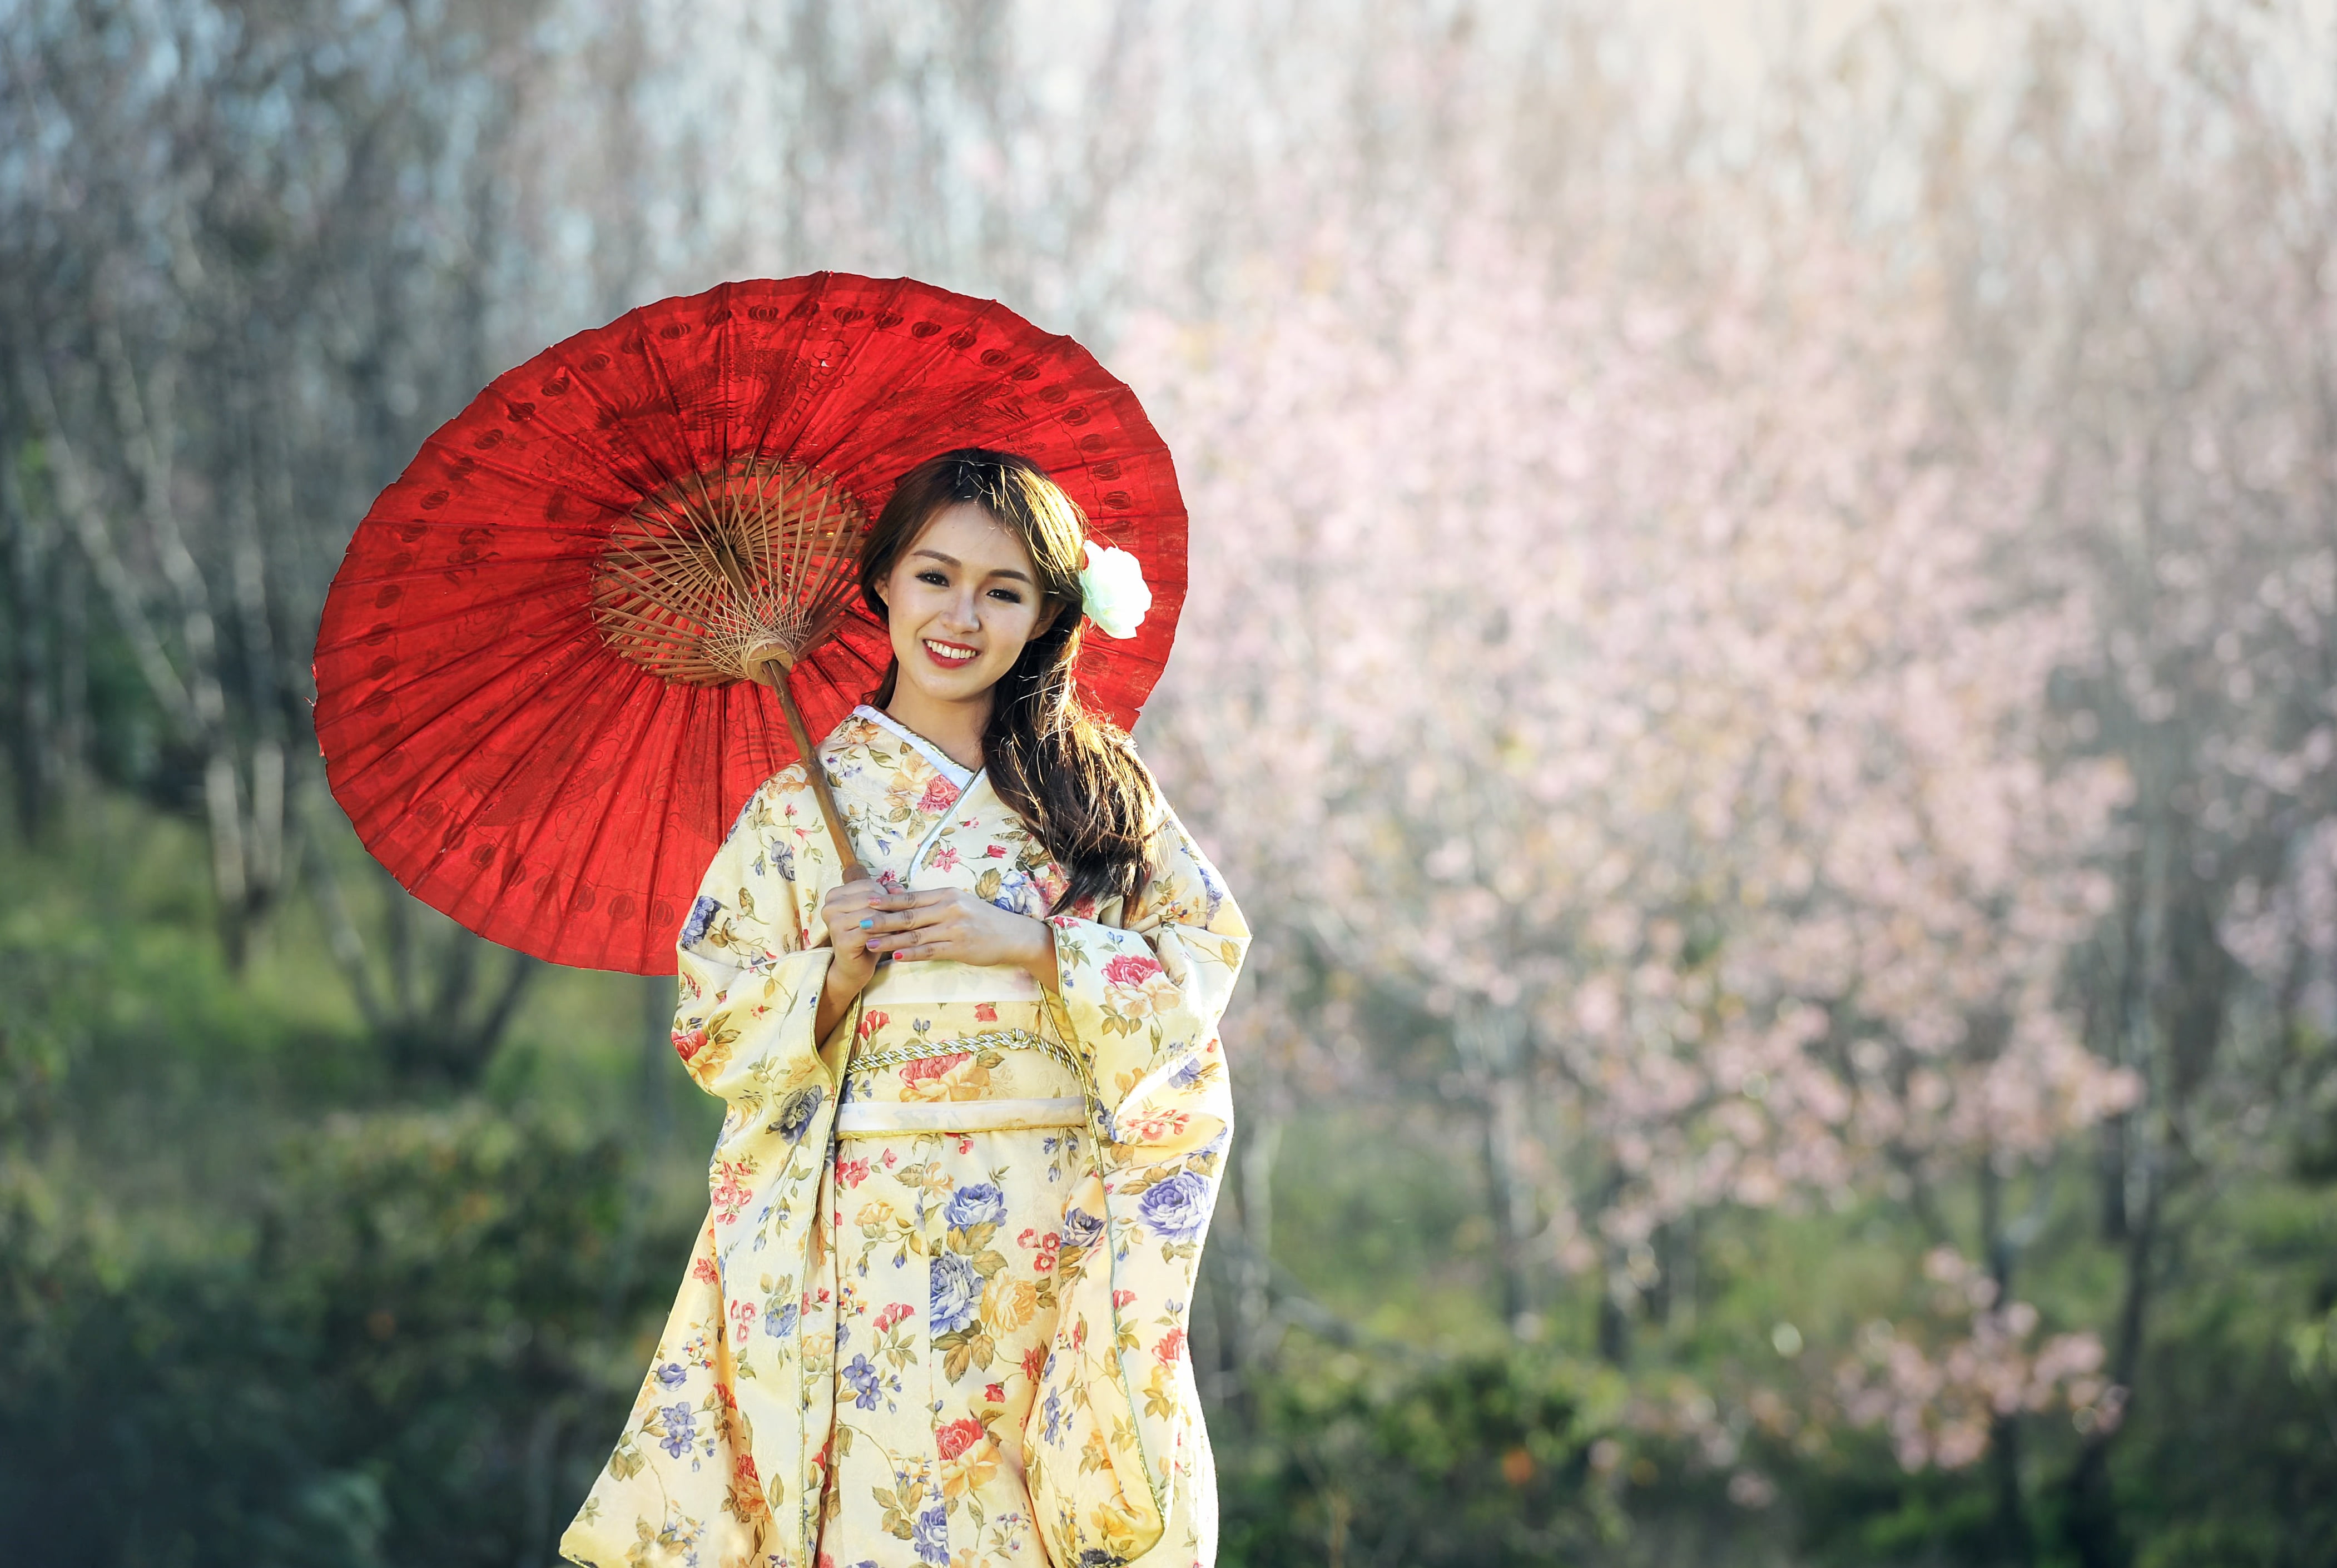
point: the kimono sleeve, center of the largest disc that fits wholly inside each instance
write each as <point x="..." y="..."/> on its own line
<point x="751" y="960"/>
<point x="713" y="1463"/>
<point x="1141" y="997"/>
<point x="1114" y="1441"/>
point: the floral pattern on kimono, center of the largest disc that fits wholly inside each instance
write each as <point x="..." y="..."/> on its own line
<point x="1056" y="1419"/>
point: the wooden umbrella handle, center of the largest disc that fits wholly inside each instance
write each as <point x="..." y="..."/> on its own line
<point x="775" y="678"/>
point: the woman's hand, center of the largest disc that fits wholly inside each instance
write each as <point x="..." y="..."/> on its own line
<point x="953" y="924"/>
<point x="849" y="910"/>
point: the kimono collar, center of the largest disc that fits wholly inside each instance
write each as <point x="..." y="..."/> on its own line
<point x="939" y="759"/>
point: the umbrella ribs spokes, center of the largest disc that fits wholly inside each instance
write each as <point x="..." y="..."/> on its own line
<point x="715" y="577"/>
<point x="736" y="575"/>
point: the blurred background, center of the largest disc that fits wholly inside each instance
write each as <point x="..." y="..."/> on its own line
<point x="1761" y="658"/>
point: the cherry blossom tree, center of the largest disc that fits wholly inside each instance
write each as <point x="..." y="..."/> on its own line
<point x="1623" y="691"/>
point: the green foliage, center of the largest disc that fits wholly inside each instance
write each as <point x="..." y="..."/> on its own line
<point x="414" y="1350"/>
<point x="1480" y="1461"/>
<point x="261" y="1304"/>
<point x="254" y="1307"/>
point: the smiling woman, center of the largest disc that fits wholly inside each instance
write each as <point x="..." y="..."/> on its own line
<point x="947" y="1323"/>
<point x="981" y="550"/>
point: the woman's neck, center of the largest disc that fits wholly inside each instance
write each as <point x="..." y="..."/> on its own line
<point x="955" y="727"/>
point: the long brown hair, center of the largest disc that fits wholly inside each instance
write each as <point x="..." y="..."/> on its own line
<point x="1074" y="777"/>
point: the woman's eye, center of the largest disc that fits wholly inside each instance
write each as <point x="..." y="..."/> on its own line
<point x="935" y="578"/>
<point x="1009" y="595"/>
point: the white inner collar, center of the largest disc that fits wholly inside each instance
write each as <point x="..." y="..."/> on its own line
<point x="960" y="776"/>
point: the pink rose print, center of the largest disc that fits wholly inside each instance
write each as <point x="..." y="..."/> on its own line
<point x="986" y="1012"/>
<point x="995" y="852"/>
<point x="870" y="1022"/>
<point x="1131" y="969"/>
<point x="945" y="858"/>
<point x="935" y="1066"/>
<point x="851" y="1173"/>
<point x="1120" y="1299"/>
<point x="704" y="1269"/>
<point x="1138" y="985"/>
<point x="892" y="1315"/>
<point x="730" y="1194"/>
<point x="688" y="1043"/>
<point x="1172" y="1346"/>
<point x="1154" y="1126"/>
<point x="995" y="1392"/>
<point x="958" y="1437"/>
<point x="939" y="797"/>
<point x="1048" y="1246"/>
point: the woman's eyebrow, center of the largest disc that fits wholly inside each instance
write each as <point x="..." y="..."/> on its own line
<point x="1015" y="573"/>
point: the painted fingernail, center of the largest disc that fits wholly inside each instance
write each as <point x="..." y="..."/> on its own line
<point x="865" y="924"/>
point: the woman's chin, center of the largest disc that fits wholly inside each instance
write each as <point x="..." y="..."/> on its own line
<point x="935" y="684"/>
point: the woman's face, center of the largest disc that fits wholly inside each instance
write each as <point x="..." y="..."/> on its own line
<point x="961" y="602"/>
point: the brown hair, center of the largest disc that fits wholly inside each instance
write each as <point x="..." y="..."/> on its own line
<point x="1074" y="777"/>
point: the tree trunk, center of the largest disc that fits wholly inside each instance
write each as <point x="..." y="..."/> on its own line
<point x="31" y="745"/>
<point x="2015" y="1543"/>
<point x="1260" y="1336"/>
<point x="1489" y="1042"/>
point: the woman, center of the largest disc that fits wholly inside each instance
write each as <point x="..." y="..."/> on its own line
<point x="977" y="1107"/>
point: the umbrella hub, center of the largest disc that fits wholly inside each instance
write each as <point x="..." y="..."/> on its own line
<point x="720" y="576"/>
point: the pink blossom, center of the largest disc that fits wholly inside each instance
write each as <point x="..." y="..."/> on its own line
<point x="1130" y="969"/>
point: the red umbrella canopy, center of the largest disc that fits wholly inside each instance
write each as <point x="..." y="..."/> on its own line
<point x="500" y="747"/>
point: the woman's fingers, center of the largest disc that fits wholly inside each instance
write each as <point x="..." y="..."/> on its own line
<point x="916" y="925"/>
<point x="878" y="924"/>
<point x="899" y="943"/>
<point x="912" y="912"/>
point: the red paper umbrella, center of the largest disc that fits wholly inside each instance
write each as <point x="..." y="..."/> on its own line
<point x="536" y="737"/>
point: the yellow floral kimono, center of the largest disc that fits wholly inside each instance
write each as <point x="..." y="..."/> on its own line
<point x="937" y="1313"/>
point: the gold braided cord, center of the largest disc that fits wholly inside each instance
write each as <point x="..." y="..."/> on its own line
<point x="965" y="1044"/>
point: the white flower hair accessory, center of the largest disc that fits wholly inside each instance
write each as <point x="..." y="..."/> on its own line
<point x="1112" y="582"/>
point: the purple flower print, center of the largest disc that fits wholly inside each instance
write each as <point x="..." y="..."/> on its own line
<point x="700" y="921"/>
<point x="932" y="1536"/>
<point x="861" y="1376"/>
<point x="955" y="1288"/>
<point x="980" y="1204"/>
<point x="1177" y="1208"/>
<point x="1053" y="1412"/>
<point x="681" y="1429"/>
<point x="671" y="1375"/>
<point x="797" y="1113"/>
<point x="1081" y="1230"/>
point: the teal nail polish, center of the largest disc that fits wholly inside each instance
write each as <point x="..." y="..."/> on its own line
<point x="865" y="924"/>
